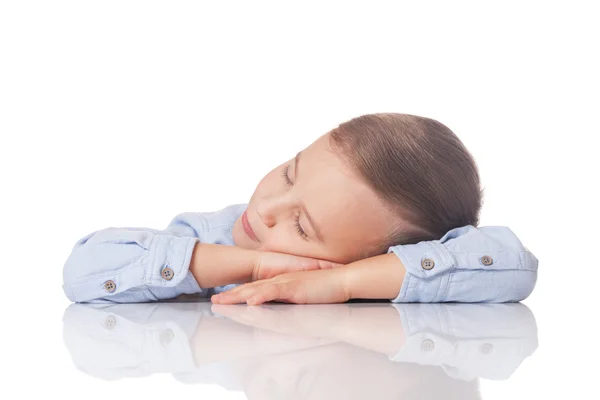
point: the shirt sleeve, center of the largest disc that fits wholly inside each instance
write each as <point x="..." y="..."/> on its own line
<point x="468" y="341"/>
<point x="468" y="264"/>
<point x="128" y="264"/>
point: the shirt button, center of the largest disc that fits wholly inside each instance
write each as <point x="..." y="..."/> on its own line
<point x="486" y="260"/>
<point x="110" y="322"/>
<point x="166" y="336"/>
<point x="427" y="263"/>
<point x="167" y="273"/>
<point x="486" y="348"/>
<point x="110" y="286"/>
<point x="427" y="345"/>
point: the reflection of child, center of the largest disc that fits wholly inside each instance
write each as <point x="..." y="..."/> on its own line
<point x="385" y="206"/>
<point x="353" y="351"/>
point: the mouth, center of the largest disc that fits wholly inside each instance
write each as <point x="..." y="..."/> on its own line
<point x="247" y="227"/>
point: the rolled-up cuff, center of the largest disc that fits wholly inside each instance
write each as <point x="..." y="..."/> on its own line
<point x="422" y="285"/>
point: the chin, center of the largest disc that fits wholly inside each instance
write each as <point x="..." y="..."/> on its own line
<point x="235" y="232"/>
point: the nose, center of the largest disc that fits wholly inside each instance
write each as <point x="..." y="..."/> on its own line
<point x="272" y="208"/>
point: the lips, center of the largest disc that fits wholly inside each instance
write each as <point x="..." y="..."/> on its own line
<point x="247" y="227"/>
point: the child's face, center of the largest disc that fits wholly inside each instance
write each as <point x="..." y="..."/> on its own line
<point x="350" y="216"/>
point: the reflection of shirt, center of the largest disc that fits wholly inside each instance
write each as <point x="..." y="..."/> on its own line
<point x="127" y="264"/>
<point x="468" y="340"/>
<point x="113" y="341"/>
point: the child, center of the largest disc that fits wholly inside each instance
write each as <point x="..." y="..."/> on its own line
<point x="385" y="206"/>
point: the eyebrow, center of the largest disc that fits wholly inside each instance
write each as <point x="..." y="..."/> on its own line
<point x="312" y="223"/>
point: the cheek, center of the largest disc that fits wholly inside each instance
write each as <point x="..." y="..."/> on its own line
<point x="269" y="184"/>
<point x="285" y="242"/>
<point x="346" y="250"/>
<point x="278" y="242"/>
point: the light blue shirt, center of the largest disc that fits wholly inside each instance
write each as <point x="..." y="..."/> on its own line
<point x="125" y="264"/>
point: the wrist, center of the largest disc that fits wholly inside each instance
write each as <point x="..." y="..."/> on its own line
<point x="377" y="277"/>
<point x="348" y="278"/>
<point x="217" y="265"/>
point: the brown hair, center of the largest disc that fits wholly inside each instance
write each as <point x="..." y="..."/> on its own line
<point x="420" y="170"/>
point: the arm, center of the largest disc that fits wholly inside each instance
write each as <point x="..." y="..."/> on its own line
<point x="132" y="264"/>
<point x="489" y="340"/>
<point x="468" y="264"/>
<point x="373" y="326"/>
<point x="378" y="277"/>
<point x="125" y="265"/>
<point x="216" y="265"/>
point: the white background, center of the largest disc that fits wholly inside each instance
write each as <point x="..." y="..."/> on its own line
<point x="126" y="113"/>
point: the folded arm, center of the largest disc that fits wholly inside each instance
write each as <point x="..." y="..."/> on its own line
<point x="125" y="265"/>
<point x="131" y="264"/>
<point x="468" y="264"/>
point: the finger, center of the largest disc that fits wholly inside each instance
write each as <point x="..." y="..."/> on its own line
<point x="229" y="311"/>
<point x="324" y="264"/>
<point x="228" y="298"/>
<point x="252" y="296"/>
<point x="264" y="293"/>
<point x="244" y="315"/>
<point x="242" y="287"/>
<point x="234" y="296"/>
<point x="225" y="310"/>
<point x="309" y="267"/>
<point x="236" y="289"/>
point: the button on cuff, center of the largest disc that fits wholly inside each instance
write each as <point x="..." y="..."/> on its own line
<point x="424" y="259"/>
<point x="93" y="288"/>
<point x="486" y="260"/>
<point x="110" y="286"/>
<point x="427" y="263"/>
<point x="420" y="284"/>
<point x="169" y="259"/>
<point x="167" y="273"/>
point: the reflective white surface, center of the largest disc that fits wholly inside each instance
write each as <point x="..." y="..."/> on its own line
<point x="310" y="351"/>
<point x="279" y="351"/>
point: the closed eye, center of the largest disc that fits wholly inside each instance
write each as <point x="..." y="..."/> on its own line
<point x="299" y="228"/>
<point x="286" y="177"/>
<point x="297" y="222"/>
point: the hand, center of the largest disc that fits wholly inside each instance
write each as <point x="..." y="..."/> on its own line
<point x="307" y="287"/>
<point x="221" y="339"/>
<point x="375" y="326"/>
<point x="331" y="321"/>
<point x="270" y="264"/>
<point x="215" y="265"/>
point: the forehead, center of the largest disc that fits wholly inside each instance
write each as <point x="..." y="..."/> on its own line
<point x="320" y="156"/>
<point x="345" y="206"/>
